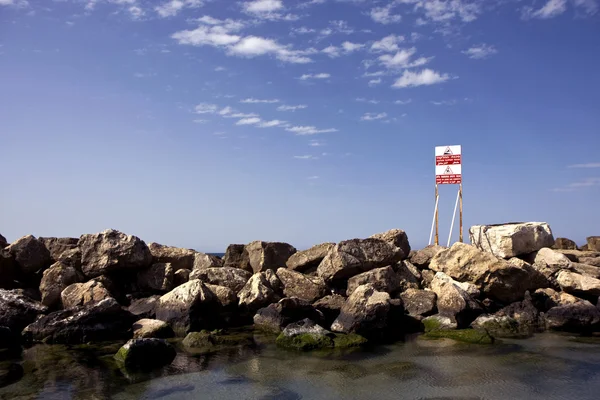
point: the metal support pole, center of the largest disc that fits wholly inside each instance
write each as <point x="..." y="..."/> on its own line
<point x="434" y="215"/>
<point x="461" y="214"/>
<point x="453" y="217"/>
<point x="437" y="224"/>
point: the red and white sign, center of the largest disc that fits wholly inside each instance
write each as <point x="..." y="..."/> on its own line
<point x="448" y="165"/>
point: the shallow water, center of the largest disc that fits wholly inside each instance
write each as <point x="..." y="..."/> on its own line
<point x="547" y="366"/>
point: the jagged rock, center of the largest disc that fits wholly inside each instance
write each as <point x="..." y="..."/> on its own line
<point x="499" y="326"/>
<point x="301" y="286"/>
<point x="17" y="311"/>
<point x="159" y="277"/>
<point x="269" y="255"/>
<point x="224" y="295"/>
<point x="257" y="293"/>
<point x="78" y="294"/>
<point x="419" y="302"/>
<point x="71" y="258"/>
<point x="146" y="354"/>
<point x="454" y="302"/>
<point x="383" y="279"/>
<point x="593" y="261"/>
<point x="526" y="314"/>
<point x="204" y="261"/>
<point x="422" y="258"/>
<point x="581" y="316"/>
<point x="152" y="328"/>
<point x="275" y="317"/>
<point x="110" y="251"/>
<point x="144" y="308"/>
<point x="398" y="239"/>
<point x="439" y="323"/>
<point x="30" y="254"/>
<point x="353" y="257"/>
<point x="427" y="276"/>
<point x="330" y="306"/>
<point x="58" y="246"/>
<point x="274" y="282"/>
<point x="585" y="247"/>
<point x="409" y="277"/>
<point x="8" y="270"/>
<point x="511" y="240"/>
<point x="305" y="335"/>
<point x="55" y="280"/>
<point x="181" y="276"/>
<point x="99" y="321"/>
<point x="365" y="311"/>
<point x="187" y="308"/>
<point x="3" y="242"/>
<point x="585" y="269"/>
<point x="564" y="244"/>
<point x="236" y="256"/>
<point x="308" y="259"/>
<point x="233" y="278"/>
<point x="593" y="243"/>
<point x="545" y="299"/>
<point x="178" y="257"/>
<point x="498" y="279"/>
<point x="572" y="282"/>
<point x="548" y="262"/>
<point x="471" y="289"/>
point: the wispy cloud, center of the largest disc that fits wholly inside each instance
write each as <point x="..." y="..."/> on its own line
<point x="384" y="15"/>
<point x="444" y="103"/>
<point x="374" y="82"/>
<point x="321" y="75"/>
<point x="248" y="121"/>
<point x="373" y="116"/>
<point x="403" y="59"/>
<point x="370" y="101"/>
<point x="291" y="108"/>
<point x="480" y="52"/>
<point x="271" y="124"/>
<point x="588" y="165"/>
<point x="171" y="8"/>
<point x="268" y="9"/>
<point x="312" y="178"/>
<point x="252" y="100"/>
<point x="583" y="184"/>
<point x="200" y="121"/>
<point x="316" y="143"/>
<point x="308" y="130"/>
<point x="306" y="157"/>
<point x="206" y="108"/>
<point x="421" y="78"/>
<point x="403" y="102"/>
<point x="388" y="44"/>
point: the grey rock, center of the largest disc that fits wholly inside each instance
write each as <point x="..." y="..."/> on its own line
<point x="159" y="277"/>
<point x="58" y="246"/>
<point x="9" y="271"/>
<point x="269" y="255"/>
<point x="178" y="257"/>
<point x="301" y="286"/>
<point x="30" y="254"/>
<point x="593" y="261"/>
<point x="419" y="302"/>
<point x="383" y="279"/>
<point x="144" y="308"/>
<point x="78" y="294"/>
<point x="409" y="277"/>
<point x="277" y="316"/>
<point x="204" y="261"/>
<point x="396" y="238"/>
<point x="511" y="240"/>
<point x="365" y="311"/>
<point x="564" y="244"/>
<point x="593" y="243"/>
<point x="581" y="316"/>
<point x="330" y="306"/>
<point x="454" y="302"/>
<point x="422" y="258"/>
<point x="308" y="259"/>
<point x="17" y="311"/>
<point x="55" y="280"/>
<point x="181" y="276"/>
<point x="585" y="269"/>
<point x="146" y="354"/>
<point x="439" y="323"/>
<point x="152" y="328"/>
<point x="224" y="295"/>
<point x="572" y="282"/>
<point x="499" y="326"/>
<point x="236" y="256"/>
<point x="233" y="278"/>
<point x="3" y="242"/>
<point x="257" y="293"/>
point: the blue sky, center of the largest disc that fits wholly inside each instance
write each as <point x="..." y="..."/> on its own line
<point x="201" y="123"/>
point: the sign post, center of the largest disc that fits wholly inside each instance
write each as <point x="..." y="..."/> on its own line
<point x="448" y="171"/>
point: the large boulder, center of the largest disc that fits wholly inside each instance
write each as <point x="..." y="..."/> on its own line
<point x="499" y="326"/>
<point x="453" y="301"/>
<point x="498" y="279"/>
<point x="157" y="278"/>
<point x="548" y="262"/>
<point x="71" y="258"/>
<point x="330" y="306"/>
<point x="308" y="259"/>
<point x="178" y="257"/>
<point x="511" y="240"/>
<point x="305" y="335"/>
<point x="564" y="244"/>
<point x="398" y="239"/>
<point x="593" y="261"/>
<point x="419" y="302"/>
<point x="422" y="258"/>
<point x="78" y="294"/>
<point x="145" y="307"/>
<point x="57" y="247"/>
<point x="365" y="312"/>
<point x="233" y="278"/>
<point x="55" y="280"/>
<point x="383" y="279"/>
<point x="301" y="286"/>
<point x="236" y="256"/>
<point x="17" y="311"/>
<point x="593" y="243"/>
<point x="257" y="293"/>
<point x="351" y="257"/>
<point x="277" y="316"/>
<point x="152" y="328"/>
<point x="580" y="316"/>
<point x="9" y="271"/>
<point x="30" y="254"/>
<point x="181" y="276"/>
<point x="409" y="276"/>
<point x="526" y="314"/>
<point x="188" y="307"/>
<point x="225" y="297"/>
<point x="268" y="255"/>
<point x="145" y="354"/>
<point x="111" y="251"/>
<point x="94" y="322"/>
<point x="204" y="261"/>
<point x="585" y="269"/>
<point x="578" y="284"/>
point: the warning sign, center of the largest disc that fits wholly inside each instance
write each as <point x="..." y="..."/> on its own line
<point x="448" y="165"/>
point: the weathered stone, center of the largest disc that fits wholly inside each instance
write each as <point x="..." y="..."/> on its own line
<point x="564" y="244"/>
<point x="439" y="323"/>
<point x="471" y="289"/>
<point x="353" y="257"/>
<point x="181" y="276"/>
<point x="71" y="258"/>
<point x="581" y="316"/>
<point x="593" y="243"/>
<point x="110" y="251"/>
<point x="30" y="254"/>
<point x="99" y="321"/>
<point x="419" y="302"/>
<point x="146" y="354"/>
<point x="274" y="281"/>
<point x="422" y="258"/>
<point x="159" y="277"/>
<point x="526" y="314"/>
<point x="144" y="308"/>
<point x="3" y="242"/>
<point x="58" y="246"/>
<point x="511" y="240"/>
<point x="365" y="311"/>
<point x="269" y="255"/>
<point x="187" y="308"/>
<point x="257" y="293"/>
<point x="8" y="270"/>
<point x="453" y="301"/>
<point x="330" y="306"/>
<point x="593" y="261"/>
<point x="305" y="335"/>
<point x="548" y="262"/>
<point x="409" y="277"/>
<point x="398" y="239"/>
<point x="585" y="269"/>
<point x="572" y="282"/>
<point x="498" y="279"/>
<point x="308" y="259"/>
<point x="236" y="256"/>
<point x="17" y="311"/>
<point x="545" y="299"/>
<point x="383" y="279"/>
<point x="301" y="286"/>
<point x="472" y="336"/>
<point x="204" y="261"/>
<point x="499" y="326"/>
<point x="585" y="247"/>
<point x="55" y="280"/>
<point x="78" y="294"/>
<point x="178" y="257"/>
<point x="152" y="328"/>
<point x="205" y="341"/>
<point x="427" y="276"/>
<point x="224" y="295"/>
<point x="233" y="278"/>
<point x="275" y="317"/>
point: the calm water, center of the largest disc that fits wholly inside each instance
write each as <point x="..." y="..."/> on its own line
<point x="545" y="367"/>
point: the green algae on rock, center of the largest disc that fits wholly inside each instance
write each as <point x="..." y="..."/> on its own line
<point x="462" y="335"/>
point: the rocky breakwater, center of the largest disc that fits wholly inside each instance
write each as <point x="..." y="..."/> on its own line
<point x="113" y="286"/>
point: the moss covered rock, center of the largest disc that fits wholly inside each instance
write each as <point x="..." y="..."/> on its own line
<point x="214" y="340"/>
<point x="463" y="335"/>
<point x="145" y="354"/>
<point x="341" y="341"/>
<point x="305" y="341"/>
<point x="500" y="326"/>
<point x="438" y="323"/>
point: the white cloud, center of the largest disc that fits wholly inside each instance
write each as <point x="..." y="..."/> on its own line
<point x="481" y="51"/>
<point x="350" y="47"/>
<point x="209" y="34"/>
<point x="220" y="69"/>
<point x="271" y="124"/>
<point x="551" y="9"/>
<point x="252" y="100"/>
<point x="586" y="183"/>
<point x="444" y="103"/>
<point x="291" y="108"/>
<point x="241" y="115"/>
<point x="306" y="157"/>
<point x="312" y="178"/>
<point x="142" y="75"/>
<point x="402" y="59"/>
<point x="588" y="165"/>
<point x="403" y="102"/>
<point x="332" y="51"/>
<point x="374" y="74"/>
<point x="206" y="108"/>
<point x="200" y="121"/>
<point x="136" y="12"/>
<point x="374" y="82"/>
<point x="346" y="48"/>
<point x="173" y="7"/>
<point x="388" y="44"/>
<point x="252" y="46"/>
<point x="14" y="3"/>
<point x="444" y="11"/>
<point x="226" y="110"/>
<point x="263" y="6"/>
<point x="303" y="30"/>
<point x="308" y="130"/>
<point x="421" y="78"/>
<point x="314" y="76"/>
<point x="373" y="116"/>
<point x="316" y="143"/>
<point x="363" y="100"/>
<point x="383" y="15"/>
<point x="248" y="121"/>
